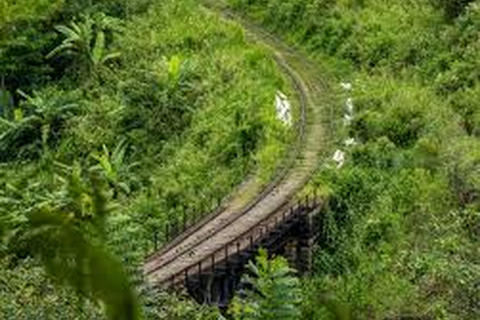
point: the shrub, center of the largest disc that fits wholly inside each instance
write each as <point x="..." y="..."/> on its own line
<point x="274" y="293"/>
<point x="452" y="8"/>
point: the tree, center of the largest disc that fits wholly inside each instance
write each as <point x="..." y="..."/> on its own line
<point x="113" y="166"/>
<point x="272" y="294"/>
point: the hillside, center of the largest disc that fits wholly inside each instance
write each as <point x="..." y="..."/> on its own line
<point x="121" y="122"/>
<point x="400" y="235"/>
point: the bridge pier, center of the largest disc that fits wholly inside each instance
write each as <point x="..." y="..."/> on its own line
<point x="216" y="286"/>
<point x="298" y="244"/>
<point x="306" y="242"/>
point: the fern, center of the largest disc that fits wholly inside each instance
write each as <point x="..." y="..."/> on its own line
<point x="273" y="294"/>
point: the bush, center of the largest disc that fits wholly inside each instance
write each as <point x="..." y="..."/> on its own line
<point x="274" y="292"/>
<point x="400" y="213"/>
<point x="452" y="8"/>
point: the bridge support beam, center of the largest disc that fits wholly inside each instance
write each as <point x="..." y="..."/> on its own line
<point x="299" y="244"/>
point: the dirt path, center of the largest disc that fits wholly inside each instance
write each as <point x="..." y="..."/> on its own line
<point x="240" y="216"/>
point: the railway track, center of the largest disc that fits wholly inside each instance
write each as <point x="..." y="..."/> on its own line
<point x="238" y="224"/>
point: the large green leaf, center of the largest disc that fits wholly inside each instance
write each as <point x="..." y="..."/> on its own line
<point x="66" y="233"/>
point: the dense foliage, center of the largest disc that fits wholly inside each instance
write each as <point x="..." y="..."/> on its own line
<point x="272" y="292"/>
<point x="121" y="119"/>
<point x="118" y="118"/>
<point x="400" y="234"/>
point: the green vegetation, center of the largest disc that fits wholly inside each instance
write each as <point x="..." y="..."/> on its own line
<point x="121" y="119"/>
<point x="274" y="293"/>
<point x="118" y="119"/>
<point x="400" y="232"/>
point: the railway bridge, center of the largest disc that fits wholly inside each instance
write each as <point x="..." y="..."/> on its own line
<point x="208" y="258"/>
<point x="290" y="231"/>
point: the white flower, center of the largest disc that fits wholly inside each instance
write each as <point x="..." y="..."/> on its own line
<point x="346" y="86"/>
<point x="349" y="105"/>
<point x="283" y="108"/>
<point x="339" y="158"/>
<point x="347" y="119"/>
<point x="350" y="142"/>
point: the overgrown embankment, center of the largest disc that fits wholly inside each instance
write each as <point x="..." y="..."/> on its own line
<point x="400" y="233"/>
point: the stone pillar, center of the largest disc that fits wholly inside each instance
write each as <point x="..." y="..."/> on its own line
<point x="305" y="244"/>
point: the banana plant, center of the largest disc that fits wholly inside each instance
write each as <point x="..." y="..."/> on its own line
<point x="49" y="110"/>
<point x="86" y="41"/>
<point x="113" y="166"/>
<point x="38" y="122"/>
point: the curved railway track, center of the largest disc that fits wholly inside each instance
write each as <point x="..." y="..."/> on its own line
<point x="238" y="224"/>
